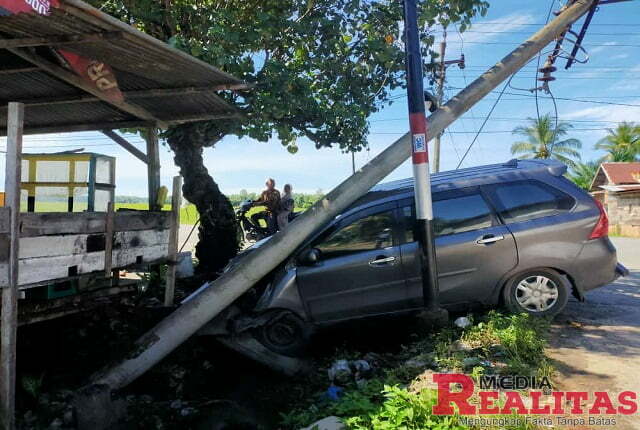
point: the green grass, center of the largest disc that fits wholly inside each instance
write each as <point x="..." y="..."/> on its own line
<point x="399" y="396"/>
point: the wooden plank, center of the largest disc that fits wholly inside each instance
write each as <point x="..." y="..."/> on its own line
<point x="108" y="240"/>
<point x="56" y="308"/>
<point x="9" y="317"/>
<point x="64" y="128"/>
<point x="153" y="168"/>
<point x="176" y="202"/>
<point x="57" y="223"/>
<point x="56" y="40"/>
<point x="73" y="244"/>
<point x="18" y="70"/>
<point x="5" y="220"/>
<point x="47" y="269"/>
<point x="78" y="82"/>
<point x="134" y="94"/>
<point x="126" y="145"/>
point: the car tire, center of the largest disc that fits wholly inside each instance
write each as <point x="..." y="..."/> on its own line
<point x="284" y="333"/>
<point x="539" y="292"/>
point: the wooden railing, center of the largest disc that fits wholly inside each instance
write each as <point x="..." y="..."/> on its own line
<point x="58" y="246"/>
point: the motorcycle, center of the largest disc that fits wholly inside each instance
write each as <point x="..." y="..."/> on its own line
<point x="251" y="232"/>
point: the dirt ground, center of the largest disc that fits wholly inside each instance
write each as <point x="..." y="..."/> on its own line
<point x="596" y="345"/>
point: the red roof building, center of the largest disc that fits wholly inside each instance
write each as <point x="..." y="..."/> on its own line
<point x="617" y="186"/>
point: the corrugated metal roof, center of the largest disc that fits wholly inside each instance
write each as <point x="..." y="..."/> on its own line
<point x="156" y="81"/>
<point x="622" y="173"/>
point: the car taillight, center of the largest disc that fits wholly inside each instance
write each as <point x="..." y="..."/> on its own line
<point x="602" y="226"/>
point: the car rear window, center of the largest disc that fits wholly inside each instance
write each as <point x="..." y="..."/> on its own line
<point x="522" y="201"/>
<point x="454" y="215"/>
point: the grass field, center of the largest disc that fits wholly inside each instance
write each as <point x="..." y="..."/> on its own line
<point x="188" y="214"/>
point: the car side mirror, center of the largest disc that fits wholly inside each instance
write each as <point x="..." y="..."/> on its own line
<point x="309" y="257"/>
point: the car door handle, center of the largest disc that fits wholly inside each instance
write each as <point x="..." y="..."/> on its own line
<point x="381" y="261"/>
<point x="489" y="239"/>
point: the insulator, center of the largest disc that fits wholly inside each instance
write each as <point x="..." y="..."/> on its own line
<point x="547" y="69"/>
<point x="547" y="79"/>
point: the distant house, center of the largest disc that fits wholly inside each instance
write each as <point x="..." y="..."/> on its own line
<point x="617" y="186"/>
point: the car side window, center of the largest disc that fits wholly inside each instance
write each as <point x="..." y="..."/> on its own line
<point x="364" y="234"/>
<point x="452" y="216"/>
<point x="526" y="200"/>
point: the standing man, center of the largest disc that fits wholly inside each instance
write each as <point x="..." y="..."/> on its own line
<point x="286" y="206"/>
<point x="270" y="199"/>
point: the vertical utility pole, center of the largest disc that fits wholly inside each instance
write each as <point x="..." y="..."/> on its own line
<point x="420" y="158"/>
<point x="440" y="97"/>
<point x="353" y="162"/>
<point x="9" y="318"/>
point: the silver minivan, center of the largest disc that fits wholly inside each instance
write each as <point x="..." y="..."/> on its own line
<point x="518" y="234"/>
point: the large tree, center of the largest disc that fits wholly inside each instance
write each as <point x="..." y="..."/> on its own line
<point x="543" y="141"/>
<point x="320" y="68"/>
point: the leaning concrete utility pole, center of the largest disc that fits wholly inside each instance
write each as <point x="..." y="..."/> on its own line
<point x="187" y="319"/>
<point x="420" y="160"/>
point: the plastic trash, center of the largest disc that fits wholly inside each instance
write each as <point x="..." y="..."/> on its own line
<point x="340" y="371"/>
<point x="462" y="322"/>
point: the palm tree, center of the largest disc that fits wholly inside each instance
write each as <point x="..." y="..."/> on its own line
<point x="583" y="173"/>
<point x="542" y="141"/>
<point x="621" y="144"/>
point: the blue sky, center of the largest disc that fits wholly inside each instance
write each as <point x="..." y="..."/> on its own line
<point x="612" y="75"/>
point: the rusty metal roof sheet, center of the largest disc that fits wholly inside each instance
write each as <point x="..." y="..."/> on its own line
<point x="155" y="83"/>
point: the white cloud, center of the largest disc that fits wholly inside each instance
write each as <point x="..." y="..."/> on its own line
<point x="491" y="29"/>
<point x="607" y="113"/>
<point x="619" y="57"/>
<point x="599" y="48"/>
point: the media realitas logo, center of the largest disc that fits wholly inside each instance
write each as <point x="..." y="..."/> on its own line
<point x="458" y="389"/>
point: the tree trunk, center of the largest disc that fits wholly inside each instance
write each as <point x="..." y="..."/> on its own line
<point x="218" y="238"/>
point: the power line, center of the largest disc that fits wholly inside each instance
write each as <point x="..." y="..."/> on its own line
<point x="484" y="122"/>
<point x="486" y="131"/>
<point x="529" y="33"/>
<point x="567" y="99"/>
<point x="592" y="45"/>
<point x="518" y="119"/>
<point x="542" y="24"/>
<point x="528" y="96"/>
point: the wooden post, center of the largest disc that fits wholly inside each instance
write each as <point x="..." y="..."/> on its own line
<point x="176" y="202"/>
<point x="9" y="318"/>
<point x="153" y="168"/>
<point x="108" y="240"/>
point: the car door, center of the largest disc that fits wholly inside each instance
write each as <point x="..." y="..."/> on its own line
<point x="473" y="249"/>
<point x="359" y="272"/>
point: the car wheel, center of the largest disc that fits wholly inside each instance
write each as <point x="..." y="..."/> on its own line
<point x="541" y="292"/>
<point x="284" y="333"/>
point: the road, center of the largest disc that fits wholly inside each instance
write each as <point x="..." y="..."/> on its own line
<point x="596" y="345"/>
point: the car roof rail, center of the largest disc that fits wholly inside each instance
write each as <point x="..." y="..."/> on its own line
<point x="511" y="163"/>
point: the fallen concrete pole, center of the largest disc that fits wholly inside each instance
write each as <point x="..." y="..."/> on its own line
<point x="186" y="320"/>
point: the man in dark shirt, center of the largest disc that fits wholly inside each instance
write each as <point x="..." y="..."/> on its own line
<point x="270" y="199"/>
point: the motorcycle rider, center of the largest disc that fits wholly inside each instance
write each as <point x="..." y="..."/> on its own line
<point x="270" y="199"/>
<point x="286" y="206"/>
